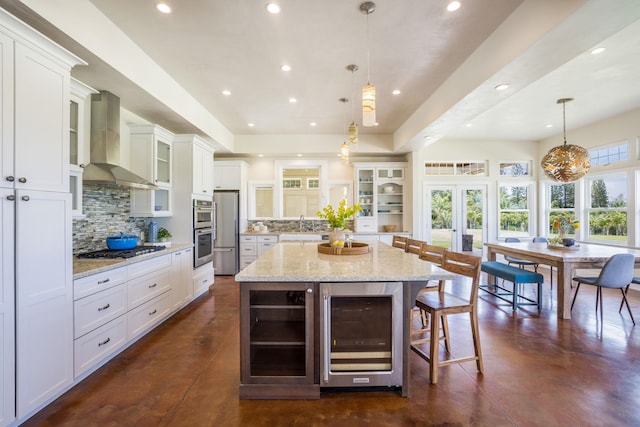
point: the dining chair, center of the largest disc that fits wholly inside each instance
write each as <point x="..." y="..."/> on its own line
<point x="442" y="303"/>
<point x="399" y="242"/>
<point x="413" y="246"/>
<point x="521" y="263"/>
<point x="617" y="273"/>
<point x="635" y="281"/>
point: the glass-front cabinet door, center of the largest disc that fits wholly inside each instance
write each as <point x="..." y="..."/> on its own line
<point x="277" y="330"/>
<point x="163" y="163"/>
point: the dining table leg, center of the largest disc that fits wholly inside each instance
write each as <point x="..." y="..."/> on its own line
<point x="564" y="291"/>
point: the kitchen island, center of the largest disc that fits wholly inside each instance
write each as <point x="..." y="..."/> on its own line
<point x="282" y="288"/>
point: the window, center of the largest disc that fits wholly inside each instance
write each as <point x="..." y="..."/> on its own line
<point x="608" y="155"/>
<point x="562" y="204"/>
<point x="292" y="183"/>
<point x="515" y="169"/>
<point x="455" y="168"/>
<point x="514" y="210"/>
<point x="313" y="183"/>
<point x="607" y="208"/>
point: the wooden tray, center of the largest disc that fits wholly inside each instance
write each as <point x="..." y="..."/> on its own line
<point x="355" y="249"/>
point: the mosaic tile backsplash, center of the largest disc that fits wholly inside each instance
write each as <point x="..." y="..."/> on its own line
<point x="106" y="209"/>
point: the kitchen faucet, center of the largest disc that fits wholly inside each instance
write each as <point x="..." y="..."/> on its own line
<point x="301" y="221"/>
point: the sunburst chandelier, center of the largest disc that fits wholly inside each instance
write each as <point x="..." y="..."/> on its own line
<point x="566" y="162"/>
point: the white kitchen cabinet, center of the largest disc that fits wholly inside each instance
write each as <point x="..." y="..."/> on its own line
<point x="193" y="164"/>
<point x="78" y="138"/>
<point x="264" y="243"/>
<point x="44" y="297"/>
<point x="34" y="163"/>
<point x="202" y="279"/>
<point x="181" y="283"/>
<point x="151" y="158"/>
<point x="94" y="311"/>
<point x="147" y="315"/>
<point x="227" y="175"/>
<point x="380" y="192"/>
<point x="7" y="307"/>
<point x="95" y="346"/>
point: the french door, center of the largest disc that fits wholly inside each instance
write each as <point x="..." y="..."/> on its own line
<point x="456" y="216"/>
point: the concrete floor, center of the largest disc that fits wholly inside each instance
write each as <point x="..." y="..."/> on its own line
<point x="539" y="371"/>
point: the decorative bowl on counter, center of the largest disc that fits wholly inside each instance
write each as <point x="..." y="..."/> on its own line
<point x="389" y="228"/>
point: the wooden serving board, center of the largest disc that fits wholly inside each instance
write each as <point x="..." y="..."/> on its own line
<point x="355" y="249"/>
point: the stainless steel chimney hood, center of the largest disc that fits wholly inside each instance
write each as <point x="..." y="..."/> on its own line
<point x="104" y="167"/>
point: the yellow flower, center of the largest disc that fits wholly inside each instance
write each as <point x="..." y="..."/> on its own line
<point x="337" y="219"/>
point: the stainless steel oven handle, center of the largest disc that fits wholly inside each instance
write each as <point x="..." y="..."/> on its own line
<point x="327" y="344"/>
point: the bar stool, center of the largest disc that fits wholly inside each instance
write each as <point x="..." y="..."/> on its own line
<point x="441" y="304"/>
<point x="400" y="242"/>
<point x="413" y="246"/>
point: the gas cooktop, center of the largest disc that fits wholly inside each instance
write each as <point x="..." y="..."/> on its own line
<point x="124" y="253"/>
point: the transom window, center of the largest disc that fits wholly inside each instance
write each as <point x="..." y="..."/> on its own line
<point x="455" y="168"/>
<point x="515" y="169"/>
<point x="608" y="155"/>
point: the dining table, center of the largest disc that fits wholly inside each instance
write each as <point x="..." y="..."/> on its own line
<point x="565" y="259"/>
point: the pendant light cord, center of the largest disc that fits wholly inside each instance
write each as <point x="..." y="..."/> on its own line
<point x="368" y="53"/>
<point x="564" y="123"/>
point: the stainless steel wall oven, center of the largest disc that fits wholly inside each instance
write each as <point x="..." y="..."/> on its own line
<point x="204" y="231"/>
<point x="361" y="334"/>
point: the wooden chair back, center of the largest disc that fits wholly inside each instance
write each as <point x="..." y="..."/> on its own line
<point x="464" y="265"/>
<point x="413" y="246"/>
<point x="400" y="242"/>
<point x="433" y="254"/>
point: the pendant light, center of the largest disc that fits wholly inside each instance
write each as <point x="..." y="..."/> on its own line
<point x="353" y="127"/>
<point x="344" y="147"/>
<point x="567" y="162"/>
<point x="368" y="90"/>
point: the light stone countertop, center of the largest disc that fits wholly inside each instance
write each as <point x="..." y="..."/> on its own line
<point x="87" y="267"/>
<point x="301" y="262"/>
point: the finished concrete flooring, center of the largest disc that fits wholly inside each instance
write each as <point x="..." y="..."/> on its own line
<point x="539" y="371"/>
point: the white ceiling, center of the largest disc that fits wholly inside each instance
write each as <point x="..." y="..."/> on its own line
<point x="446" y="64"/>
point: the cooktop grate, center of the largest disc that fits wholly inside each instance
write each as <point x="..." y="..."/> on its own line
<point x="123" y="253"/>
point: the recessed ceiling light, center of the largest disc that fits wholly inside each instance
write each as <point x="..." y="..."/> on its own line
<point x="251" y="125"/>
<point x="273" y="8"/>
<point x="299" y="155"/>
<point x="502" y="86"/>
<point x="453" y="6"/>
<point x="163" y="7"/>
<point x="226" y="92"/>
<point x="468" y="125"/>
<point x="312" y="124"/>
<point x="260" y="155"/>
<point x="396" y="92"/>
<point x="549" y="126"/>
<point x="597" y="50"/>
<point x="285" y="67"/>
<point x="293" y="100"/>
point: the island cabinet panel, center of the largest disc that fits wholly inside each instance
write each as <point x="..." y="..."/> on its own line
<point x="278" y="341"/>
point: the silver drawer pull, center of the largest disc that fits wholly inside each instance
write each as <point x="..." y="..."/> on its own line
<point x="153" y="286"/>
<point x="153" y="312"/>
<point x="101" y="282"/>
<point x="104" y="342"/>
<point x="104" y="308"/>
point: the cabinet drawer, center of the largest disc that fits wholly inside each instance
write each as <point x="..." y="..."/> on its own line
<point x="149" y="266"/>
<point x="97" y="282"/>
<point x="202" y="281"/>
<point x="95" y="310"/>
<point x="144" y="288"/>
<point x="248" y="250"/>
<point x="245" y="261"/>
<point x="366" y="225"/>
<point x="271" y="239"/>
<point x="148" y="314"/>
<point x="96" y="345"/>
<point x="248" y="239"/>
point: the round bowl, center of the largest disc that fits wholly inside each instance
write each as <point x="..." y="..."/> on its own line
<point x="389" y="228"/>
<point x="388" y="189"/>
